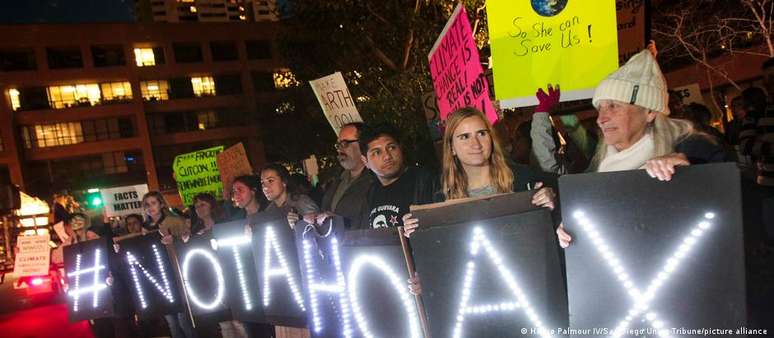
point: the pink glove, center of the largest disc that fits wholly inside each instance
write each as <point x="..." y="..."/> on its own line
<point x="547" y="101"/>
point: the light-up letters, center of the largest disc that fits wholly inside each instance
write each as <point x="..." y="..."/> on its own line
<point x="398" y="285"/>
<point x="271" y="246"/>
<point x="221" y="289"/>
<point x="315" y="287"/>
<point x="162" y="286"/>
<point x="642" y="300"/>
<point x="235" y="243"/>
<point x="519" y="302"/>
<point x="96" y="285"/>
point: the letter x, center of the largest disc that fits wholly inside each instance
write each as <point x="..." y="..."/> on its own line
<point x="642" y="300"/>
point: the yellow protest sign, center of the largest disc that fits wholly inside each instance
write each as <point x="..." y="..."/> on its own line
<point x="570" y="42"/>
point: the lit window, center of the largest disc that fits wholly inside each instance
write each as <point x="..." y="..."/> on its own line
<point x="284" y="78"/>
<point x="154" y="90"/>
<point x="242" y="17"/>
<point x="144" y="57"/>
<point x="206" y="120"/>
<point x="58" y="134"/>
<point x="116" y="91"/>
<point x="203" y="86"/>
<point x="193" y="9"/>
<point x="14" y="94"/>
<point x="74" y="95"/>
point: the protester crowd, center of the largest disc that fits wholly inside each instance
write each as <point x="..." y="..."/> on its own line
<point x="639" y="128"/>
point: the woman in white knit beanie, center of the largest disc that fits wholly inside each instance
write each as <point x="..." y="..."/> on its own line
<point x="637" y="133"/>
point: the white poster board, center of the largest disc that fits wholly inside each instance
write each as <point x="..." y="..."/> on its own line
<point x="124" y="200"/>
<point x="33" y="256"/>
<point x="336" y="101"/>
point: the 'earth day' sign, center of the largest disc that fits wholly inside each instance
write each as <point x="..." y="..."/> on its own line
<point x="197" y="172"/>
<point x="573" y="43"/>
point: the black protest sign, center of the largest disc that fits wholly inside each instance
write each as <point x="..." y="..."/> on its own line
<point x="376" y="275"/>
<point x="279" y="278"/>
<point x="150" y="276"/>
<point x="87" y="265"/>
<point x="323" y="279"/>
<point x="489" y="267"/>
<point x="202" y="274"/>
<point x="658" y="255"/>
<point x="235" y="254"/>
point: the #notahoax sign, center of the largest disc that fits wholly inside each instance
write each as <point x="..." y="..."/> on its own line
<point x="663" y="257"/>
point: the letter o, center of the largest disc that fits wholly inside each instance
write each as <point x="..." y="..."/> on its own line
<point x="218" y="274"/>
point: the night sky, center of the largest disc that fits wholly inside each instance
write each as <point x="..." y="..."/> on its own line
<point x="65" y="11"/>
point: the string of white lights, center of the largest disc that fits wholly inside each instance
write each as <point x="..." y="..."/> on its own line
<point x="164" y="287"/>
<point x="234" y="243"/>
<point x="76" y="294"/>
<point x="377" y="262"/>
<point x="221" y="289"/>
<point x="641" y="300"/>
<point x="271" y="245"/>
<point x="339" y="288"/>
<point x="480" y="240"/>
<point x="96" y="285"/>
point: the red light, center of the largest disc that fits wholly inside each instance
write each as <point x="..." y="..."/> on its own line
<point x="37" y="281"/>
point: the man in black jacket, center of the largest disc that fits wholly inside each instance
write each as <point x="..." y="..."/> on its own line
<point x="347" y="194"/>
<point x="397" y="186"/>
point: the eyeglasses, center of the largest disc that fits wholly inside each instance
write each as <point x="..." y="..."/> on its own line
<point x="343" y="144"/>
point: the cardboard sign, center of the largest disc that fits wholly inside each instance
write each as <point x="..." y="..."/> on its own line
<point x="458" y="77"/>
<point x="534" y="43"/>
<point x="232" y="163"/>
<point x="690" y="93"/>
<point x="235" y="254"/>
<point x="632" y="18"/>
<point x="279" y="277"/>
<point x="489" y="267"/>
<point x="87" y="265"/>
<point x="123" y="201"/>
<point x="336" y="101"/>
<point x="33" y="256"/>
<point x="197" y="172"/>
<point x="202" y="275"/>
<point x="151" y="277"/>
<point x="658" y="255"/>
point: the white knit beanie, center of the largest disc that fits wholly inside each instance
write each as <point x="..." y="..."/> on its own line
<point x="638" y="82"/>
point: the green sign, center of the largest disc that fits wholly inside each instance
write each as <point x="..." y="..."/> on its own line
<point x="197" y="172"/>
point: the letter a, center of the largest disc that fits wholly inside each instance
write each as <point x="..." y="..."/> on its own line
<point x="518" y="300"/>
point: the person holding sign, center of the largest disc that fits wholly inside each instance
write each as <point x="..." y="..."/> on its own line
<point x="282" y="195"/>
<point x="398" y="186"/>
<point x="636" y="131"/>
<point x="169" y="225"/>
<point x="474" y="165"/>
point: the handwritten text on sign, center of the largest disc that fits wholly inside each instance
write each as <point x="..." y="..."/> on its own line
<point x="458" y="78"/>
<point x="335" y="100"/>
<point x="122" y="201"/>
<point x="572" y="43"/>
<point x="197" y="172"/>
<point x="33" y="256"/>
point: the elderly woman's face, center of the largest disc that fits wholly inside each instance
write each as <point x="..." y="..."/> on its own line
<point x="622" y="124"/>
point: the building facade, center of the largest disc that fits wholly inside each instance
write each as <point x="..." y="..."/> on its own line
<point x="101" y="105"/>
<point x="206" y="10"/>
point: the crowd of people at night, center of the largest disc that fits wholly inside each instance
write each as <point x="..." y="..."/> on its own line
<point x="640" y="126"/>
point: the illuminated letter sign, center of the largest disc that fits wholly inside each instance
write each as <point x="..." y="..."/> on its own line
<point x="86" y="269"/>
<point x="235" y="252"/>
<point x="652" y="251"/>
<point x="337" y="289"/>
<point x="489" y="268"/>
<point x="271" y="270"/>
<point x="161" y="284"/>
<point x="192" y="293"/>
<point x="150" y="274"/>
<point x="519" y="300"/>
<point x="376" y="285"/>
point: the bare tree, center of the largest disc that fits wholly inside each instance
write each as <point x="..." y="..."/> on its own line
<point x="701" y="31"/>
